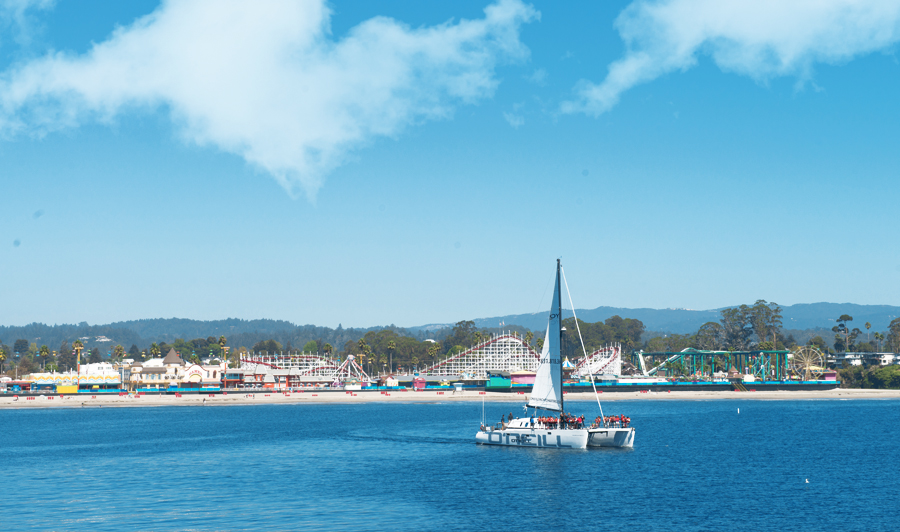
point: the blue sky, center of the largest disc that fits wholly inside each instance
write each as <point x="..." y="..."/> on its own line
<point x="404" y="162"/>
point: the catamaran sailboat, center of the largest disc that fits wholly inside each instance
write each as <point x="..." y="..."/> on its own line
<point x="562" y="430"/>
<point x="611" y="431"/>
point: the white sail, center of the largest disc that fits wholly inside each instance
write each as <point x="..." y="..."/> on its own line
<point x="547" y="391"/>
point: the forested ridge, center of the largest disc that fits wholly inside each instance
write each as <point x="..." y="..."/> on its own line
<point x="745" y="327"/>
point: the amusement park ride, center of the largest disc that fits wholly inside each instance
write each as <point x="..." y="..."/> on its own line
<point x="804" y="363"/>
<point x="503" y="352"/>
<point x="309" y="365"/>
<point x="509" y="352"/>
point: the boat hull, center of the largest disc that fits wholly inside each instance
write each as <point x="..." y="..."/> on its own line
<point x="540" y="438"/>
<point x="611" y="437"/>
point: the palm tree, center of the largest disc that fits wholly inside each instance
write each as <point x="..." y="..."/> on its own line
<point x="78" y="346"/>
<point x="868" y="326"/>
<point x="529" y="336"/>
<point x="119" y="352"/>
<point x="415" y="361"/>
<point x="432" y="352"/>
<point x="45" y="353"/>
<point x="878" y="338"/>
<point x="222" y="342"/>
<point x="328" y="348"/>
<point x="383" y="360"/>
<point x="392" y="345"/>
<point x="154" y="350"/>
<point x="478" y="336"/>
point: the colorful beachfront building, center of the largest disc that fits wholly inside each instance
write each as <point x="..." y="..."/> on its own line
<point x="97" y="377"/>
<point x="172" y="372"/>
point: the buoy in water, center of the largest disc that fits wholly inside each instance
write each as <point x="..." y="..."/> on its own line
<point x="807" y="481"/>
<point x="739" y="410"/>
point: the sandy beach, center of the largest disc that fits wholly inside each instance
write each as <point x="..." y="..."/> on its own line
<point x="235" y="398"/>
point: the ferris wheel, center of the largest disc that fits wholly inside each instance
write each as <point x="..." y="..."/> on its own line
<point x="807" y="362"/>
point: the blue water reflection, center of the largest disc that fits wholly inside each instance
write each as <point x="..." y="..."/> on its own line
<point x="696" y="465"/>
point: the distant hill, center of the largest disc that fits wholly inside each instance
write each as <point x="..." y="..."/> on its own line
<point x="143" y="332"/>
<point x="172" y="328"/>
<point x="803" y="319"/>
<point x="812" y="315"/>
<point x="681" y="321"/>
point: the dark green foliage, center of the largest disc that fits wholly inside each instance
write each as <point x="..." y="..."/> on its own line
<point x="819" y="343"/>
<point x="894" y="335"/>
<point x="711" y="337"/>
<point x="880" y="377"/>
<point x="736" y="328"/>
<point x="741" y="324"/>
<point x="21" y="346"/>
<point x="267" y="346"/>
<point x="596" y="335"/>
<point x="202" y="347"/>
<point x="27" y="365"/>
<point x="887" y="377"/>
<point x="670" y="343"/>
<point x="66" y="356"/>
<point x="463" y="334"/>
<point x="95" y="356"/>
<point x="843" y="335"/>
<point x="864" y="347"/>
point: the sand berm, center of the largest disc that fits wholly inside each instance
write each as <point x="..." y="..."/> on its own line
<point x="320" y="396"/>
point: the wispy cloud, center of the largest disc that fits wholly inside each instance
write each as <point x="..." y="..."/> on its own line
<point x="16" y="18"/>
<point x="758" y="38"/>
<point x="267" y="81"/>
<point x="515" y="120"/>
<point x="538" y="77"/>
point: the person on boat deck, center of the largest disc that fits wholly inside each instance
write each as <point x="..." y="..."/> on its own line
<point x="510" y="416"/>
<point x="532" y="421"/>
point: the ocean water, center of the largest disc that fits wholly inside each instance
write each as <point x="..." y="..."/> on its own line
<point x="696" y="466"/>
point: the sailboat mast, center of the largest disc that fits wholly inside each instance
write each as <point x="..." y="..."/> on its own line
<point x="559" y="332"/>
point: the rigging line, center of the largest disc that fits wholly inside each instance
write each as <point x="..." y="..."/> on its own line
<point x="541" y="303"/>
<point x="578" y="328"/>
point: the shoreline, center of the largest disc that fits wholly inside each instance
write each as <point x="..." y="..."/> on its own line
<point x="321" y="397"/>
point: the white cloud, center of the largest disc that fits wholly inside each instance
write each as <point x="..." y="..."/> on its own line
<point x="758" y="38"/>
<point x="16" y="15"/>
<point x="267" y="81"/>
<point x="515" y="120"/>
<point x="19" y="7"/>
<point x="538" y="77"/>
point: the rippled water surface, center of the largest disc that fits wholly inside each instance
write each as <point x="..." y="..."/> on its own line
<point x="696" y="466"/>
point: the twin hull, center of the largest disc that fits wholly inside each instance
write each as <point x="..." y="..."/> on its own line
<point x="555" y="439"/>
<point x="611" y="437"/>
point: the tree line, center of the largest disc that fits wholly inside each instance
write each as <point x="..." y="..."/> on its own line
<point x="745" y="327"/>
